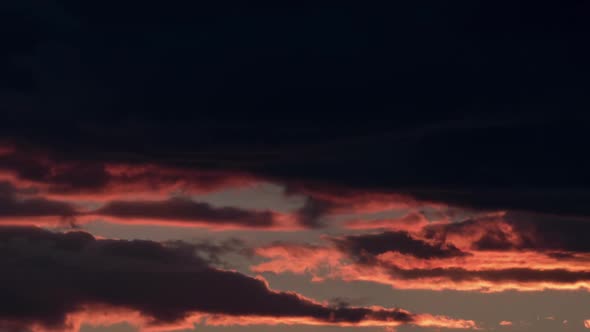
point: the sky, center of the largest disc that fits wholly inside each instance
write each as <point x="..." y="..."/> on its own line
<point x="328" y="166"/>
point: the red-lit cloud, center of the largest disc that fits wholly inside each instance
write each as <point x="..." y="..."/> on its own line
<point x="186" y="212"/>
<point x="26" y="206"/>
<point x="100" y="181"/>
<point x="14" y="208"/>
<point x="427" y="260"/>
<point x="96" y="315"/>
<point x="492" y="251"/>
<point x="152" y="285"/>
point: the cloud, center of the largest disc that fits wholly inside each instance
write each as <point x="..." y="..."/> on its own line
<point x="101" y="180"/>
<point x="6" y="149"/>
<point x="516" y="231"/>
<point x="324" y="202"/>
<point x="429" y="259"/>
<point x="312" y="210"/>
<point x="163" y="283"/>
<point x="426" y="103"/>
<point x="336" y="266"/>
<point x="14" y="207"/>
<point x="25" y="205"/>
<point x="297" y="258"/>
<point x="395" y="241"/>
<point x="410" y="222"/>
<point x="486" y="280"/>
<point x="104" y="179"/>
<point x="184" y="211"/>
<point x="485" y="104"/>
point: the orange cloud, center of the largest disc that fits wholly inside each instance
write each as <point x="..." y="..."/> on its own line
<point x="488" y="260"/>
<point x="281" y="222"/>
<point x="155" y="286"/>
<point x="298" y="259"/>
<point x="483" y="271"/>
<point x="96" y="181"/>
<point x="97" y="316"/>
<point x="20" y="206"/>
<point x="422" y="320"/>
<point x="465" y="280"/>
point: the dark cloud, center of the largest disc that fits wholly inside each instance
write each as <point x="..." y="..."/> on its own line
<point x="566" y="201"/>
<point x="518" y="231"/>
<point x="99" y="178"/>
<point x="402" y="242"/>
<point x="431" y="100"/>
<point x="48" y="275"/>
<point x="312" y="210"/>
<point x="480" y="105"/>
<point x="186" y="210"/>
<point x="27" y="203"/>
<point x="12" y="206"/>
<point x="550" y="232"/>
<point x="518" y="275"/>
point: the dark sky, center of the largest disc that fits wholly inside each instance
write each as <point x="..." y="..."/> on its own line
<point x="320" y="165"/>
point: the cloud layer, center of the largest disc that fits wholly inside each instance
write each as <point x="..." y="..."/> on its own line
<point x="164" y="284"/>
<point x="489" y="254"/>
